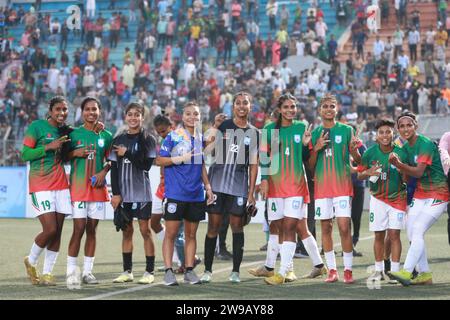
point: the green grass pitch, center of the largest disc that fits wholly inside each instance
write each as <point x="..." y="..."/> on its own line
<point x="17" y="235"/>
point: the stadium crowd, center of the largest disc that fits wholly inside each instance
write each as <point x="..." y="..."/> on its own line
<point x="198" y="62"/>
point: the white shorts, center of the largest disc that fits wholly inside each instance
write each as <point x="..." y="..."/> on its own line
<point x="51" y="201"/>
<point x="328" y="208"/>
<point x="84" y="209"/>
<point x="157" y="207"/>
<point x="431" y="207"/>
<point x="382" y="216"/>
<point x="292" y="207"/>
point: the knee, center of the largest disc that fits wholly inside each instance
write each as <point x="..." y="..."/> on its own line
<point x="327" y="227"/>
<point x="145" y="232"/>
<point x="128" y="234"/>
<point x="90" y="232"/>
<point x="171" y="234"/>
<point x="78" y="231"/>
<point x="213" y="230"/>
<point x="51" y="232"/>
<point x="345" y="233"/>
<point x="236" y="227"/>
<point x="190" y="236"/>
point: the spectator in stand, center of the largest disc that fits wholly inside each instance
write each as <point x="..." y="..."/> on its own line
<point x="271" y="12"/>
<point x="413" y="41"/>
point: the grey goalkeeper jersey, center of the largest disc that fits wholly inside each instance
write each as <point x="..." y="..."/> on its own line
<point x="134" y="183"/>
<point x="234" y="150"/>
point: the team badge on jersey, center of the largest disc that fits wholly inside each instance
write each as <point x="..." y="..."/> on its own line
<point x="99" y="205"/>
<point x="295" y="205"/>
<point x="240" y="201"/>
<point x="415" y="158"/>
<point x="101" y="142"/>
<point x="338" y="139"/>
<point x="400" y="216"/>
<point x="297" y="138"/>
<point x="247" y="141"/>
<point x="342" y="204"/>
<point x="171" y="207"/>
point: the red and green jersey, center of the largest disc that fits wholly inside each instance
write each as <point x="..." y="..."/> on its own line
<point x="390" y="187"/>
<point x="82" y="169"/>
<point x="433" y="183"/>
<point x="332" y="177"/>
<point x="46" y="173"/>
<point x="284" y="171"/>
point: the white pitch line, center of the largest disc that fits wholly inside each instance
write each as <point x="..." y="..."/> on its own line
<point x="110" y="294"/>
<point x="119" y="292"/>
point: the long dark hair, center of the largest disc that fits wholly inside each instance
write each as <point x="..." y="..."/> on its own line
<point x="280" y="101"/>
<point x="63" y="130"/>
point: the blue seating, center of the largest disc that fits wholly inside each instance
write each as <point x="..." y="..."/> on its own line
<point x="57" y="9"/>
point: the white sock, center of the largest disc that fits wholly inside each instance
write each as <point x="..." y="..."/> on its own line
<point x="35" y="252"/>
<point x="395" y="266"/>
<point x="160" y="235"/>
<point x="291" y="265"/>
<point x="71" y="264"/>
<point x="379" y="265"/>
<point x="348" y="260"/>
<point x="330" y="259"/>
<point x="273" y="248"/>
<point x="50" y="260"/>
<point x="310" y="245"/>
<point x="287" y="253"/>
<point x="88" y="265"/>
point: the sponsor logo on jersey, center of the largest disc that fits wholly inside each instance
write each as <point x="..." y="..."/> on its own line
<point x="297" y="138"/>
<point x="338" y="139"/>
<point x="125" y="160"/>
<point x="247" y="141"/>
<point x="101" y="142"/>
<point x="171" y="207"/>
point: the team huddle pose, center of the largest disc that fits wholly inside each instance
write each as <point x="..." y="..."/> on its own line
<point x="237" y="150"/>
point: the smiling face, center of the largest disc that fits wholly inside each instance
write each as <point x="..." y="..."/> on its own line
<point x="58" y="113"/>
<point x="191" y="115"/>
<point x="134" y="119"/>
<point x="328" y="109"/>
<point x="385" y="135"/>
<point x="241" y="106"/>
<point x="288" y="110"/>
<point x="91" y="112"/>
<point x="407" y="127"/>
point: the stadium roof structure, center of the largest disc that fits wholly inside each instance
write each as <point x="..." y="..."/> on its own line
<point x="433" y="126"/>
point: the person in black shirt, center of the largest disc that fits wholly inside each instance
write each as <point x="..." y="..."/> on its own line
<point x="131" y="159"/>
<point x="233" y="178"/>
